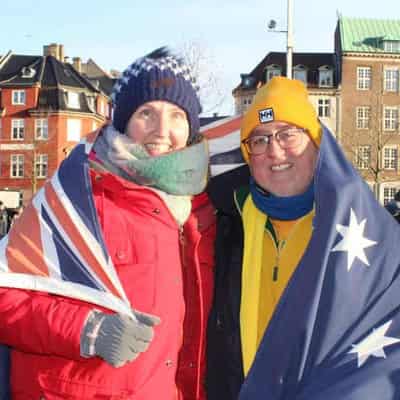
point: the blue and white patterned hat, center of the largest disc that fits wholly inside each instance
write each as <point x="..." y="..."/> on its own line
<point x="158" y="76"/>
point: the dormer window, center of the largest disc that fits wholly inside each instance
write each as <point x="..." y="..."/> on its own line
<point x="391" y="46"/>
<point x="73" y="100"/>
<point x="247" y="81"/>
<point x="300" y="73"/>
<point x="271" y="71"/>
<point x="18" y="97"/>
<point x="28" y="72"/>
<point x="325" y="77"/>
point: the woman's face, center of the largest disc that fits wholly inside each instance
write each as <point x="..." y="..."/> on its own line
<point x="159" y="126"/>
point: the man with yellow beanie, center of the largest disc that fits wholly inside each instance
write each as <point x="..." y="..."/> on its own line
<point x="298" y="266"/>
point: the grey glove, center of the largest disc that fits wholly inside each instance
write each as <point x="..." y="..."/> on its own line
<point x="117" y="338"/>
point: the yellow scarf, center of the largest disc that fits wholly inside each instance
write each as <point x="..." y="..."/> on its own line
<point x="260" y="293"/>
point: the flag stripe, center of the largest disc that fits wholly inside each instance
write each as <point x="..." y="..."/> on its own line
<point x="25" y="253"/>
<point x="77" y="239"/>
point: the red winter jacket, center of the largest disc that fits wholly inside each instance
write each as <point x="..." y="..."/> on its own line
<point x="165" y="271"/>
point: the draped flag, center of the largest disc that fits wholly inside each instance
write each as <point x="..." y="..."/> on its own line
<point x="336" y="331"/>
<point x="56" y="246"/>
<point x="224" y="144"/>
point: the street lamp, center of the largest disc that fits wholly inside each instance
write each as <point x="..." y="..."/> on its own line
<point x="289" y="37"/>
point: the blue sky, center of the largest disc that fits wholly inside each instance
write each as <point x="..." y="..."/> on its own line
<point x="233" y="33"/>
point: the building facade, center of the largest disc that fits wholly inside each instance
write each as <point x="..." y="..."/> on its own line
<point x="318" y="71"/>
<point x="46" y="107"/>
<point x="368" y="51"/>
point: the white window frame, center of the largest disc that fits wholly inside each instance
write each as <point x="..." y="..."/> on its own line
<point x="363" y="115"/>
<point x="300" y="73"/>
<point x="388" y="193"/>
<point x="324" y="108"/>
<point x="271" y="71"/>
<point x="17" y="129"/>
<point x="363" y="160"/>
<point x="41" y="128"/>
<point x="41" y="166"/>
<point x="18" y="97"/>
<point x="364" y="77"/>
<point x="325" y="77"/>
<point x="390" y="157"/>
<point x="73" y="100"/>
<point x="390" y="118"/>
<point x="74" y="130"/>
<point x="391" y="46"/>
<point x="17" y="165"/>
<point x="391" y="79"/>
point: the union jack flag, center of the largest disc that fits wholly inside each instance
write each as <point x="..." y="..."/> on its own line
<point x="57" y="246"/>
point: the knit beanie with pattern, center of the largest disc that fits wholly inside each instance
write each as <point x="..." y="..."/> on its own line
<point x="159" y="75"/>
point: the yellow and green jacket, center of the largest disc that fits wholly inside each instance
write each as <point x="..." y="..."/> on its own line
<point x="256" y="257"/>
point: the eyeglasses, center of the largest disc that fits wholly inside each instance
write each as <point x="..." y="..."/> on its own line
<point x="287" y="138"/>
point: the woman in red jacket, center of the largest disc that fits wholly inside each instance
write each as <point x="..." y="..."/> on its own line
<point x="146" y="175"/>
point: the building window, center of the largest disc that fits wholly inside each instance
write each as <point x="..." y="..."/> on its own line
<point x="73" y="130"/>
<point x="325" y="77"/>
<point x="41" y="129"/>
<point x="300" y="73"/>
<point x="390" y="118"/>
<point x="391" y="46"/>
<point x="17" y="166"/>
<point x="388" y="194"/>
<point x="363" y="78"/>
<point x="17" y="129"/>
<point x="363" y="157"/>
<point x="390" y="156"/>
<point x="18" y="97"/>
<point x="73" y="100"/>
<point x="362" y="117"/>
<point x="272" y="71"/>
<point x="41" y="164"/>
<point x="391" y="80"/>
<point x="91" y="102"/>
<point x="324" y="108"/>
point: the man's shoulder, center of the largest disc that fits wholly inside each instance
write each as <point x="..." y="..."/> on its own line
<point x="221" y="188"/>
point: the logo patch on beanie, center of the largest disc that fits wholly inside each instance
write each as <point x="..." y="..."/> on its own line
<point x="164" y="82"/>
<point x="266" y="115"/>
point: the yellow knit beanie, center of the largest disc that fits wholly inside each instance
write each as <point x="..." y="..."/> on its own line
<point x="281" y="99"/>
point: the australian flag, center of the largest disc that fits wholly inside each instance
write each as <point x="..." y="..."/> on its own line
<point x="336" y="331"/>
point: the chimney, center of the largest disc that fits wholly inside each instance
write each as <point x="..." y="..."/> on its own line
<point x="61" y="52"/>
<point x="76" y="62"/>
<point x="55" y="50"/>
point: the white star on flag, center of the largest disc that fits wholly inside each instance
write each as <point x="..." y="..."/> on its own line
<point x="353" y="240"/>
<point x="373" y="344"/>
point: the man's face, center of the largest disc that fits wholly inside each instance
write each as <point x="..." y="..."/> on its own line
<point x="283" y="172"/>
<point x="159" y="126"/>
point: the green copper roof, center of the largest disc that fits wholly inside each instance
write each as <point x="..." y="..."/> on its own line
<point x="367" y="35"/>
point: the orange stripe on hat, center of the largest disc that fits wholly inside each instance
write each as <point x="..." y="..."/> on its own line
<point x="285" y="100"/>
<point x="25" y="252"/>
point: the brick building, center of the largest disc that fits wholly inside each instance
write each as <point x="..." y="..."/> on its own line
<point x="46" y="106"/>
<point x="368" y="51"/>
